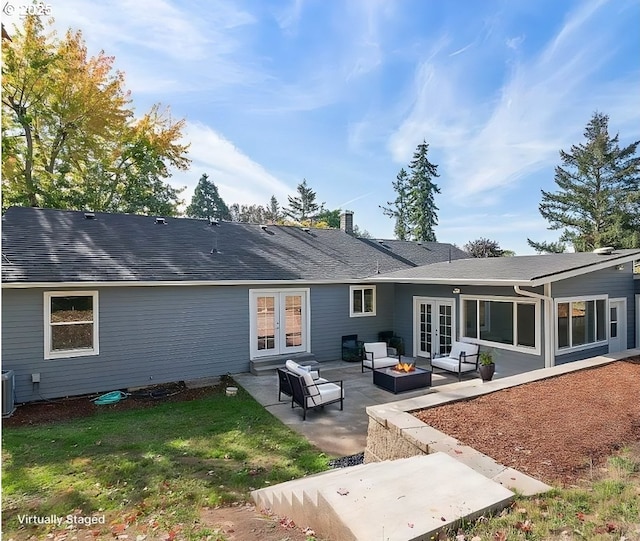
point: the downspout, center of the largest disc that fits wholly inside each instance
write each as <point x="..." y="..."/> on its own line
<point x="549" y="334"/>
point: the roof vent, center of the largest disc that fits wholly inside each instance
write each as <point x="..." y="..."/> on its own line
<point x="213" y="221"/>
<point x="89" y="216"/>
<point x="605" y="250"/>
<point x="305" y="229"/>
<point x="161" y="221"/>
<point x="263" y="227"/>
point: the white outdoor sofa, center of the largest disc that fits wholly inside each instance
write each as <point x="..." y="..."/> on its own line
<point x="462" y="358"/>
<point x="378" y="355"/>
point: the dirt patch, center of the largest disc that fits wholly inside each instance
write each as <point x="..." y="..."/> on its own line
<point x="557" y="430"/>
<point x="244" y="523"/>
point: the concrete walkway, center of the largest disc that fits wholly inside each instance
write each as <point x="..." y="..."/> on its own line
<point x="337" y="433"/>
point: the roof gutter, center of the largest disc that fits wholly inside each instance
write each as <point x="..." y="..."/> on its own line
<point x="549" y="335"/>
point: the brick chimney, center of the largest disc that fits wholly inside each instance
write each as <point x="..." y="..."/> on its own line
<point x="346" y="222"/>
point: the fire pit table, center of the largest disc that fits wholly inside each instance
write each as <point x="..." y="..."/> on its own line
<point x="397" y="381"/>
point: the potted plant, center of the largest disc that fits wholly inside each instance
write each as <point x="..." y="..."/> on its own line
<point x="487" y="366"/>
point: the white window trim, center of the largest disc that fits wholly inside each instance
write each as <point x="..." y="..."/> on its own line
<point x="64" y="354"/>
<point x="499" y="345"/>
<point x="362" y="288"/>
<point x="590" y="345"/>
<point x="254" y="353"/>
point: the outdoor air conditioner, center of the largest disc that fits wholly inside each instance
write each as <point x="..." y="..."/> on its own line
<point x="8" y="392"/>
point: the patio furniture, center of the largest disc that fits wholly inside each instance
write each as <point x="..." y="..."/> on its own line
<point x="284" y="388"/>
<point x="392" y="340"/>
<point x="378" y="355"/>
<point x="351" y="348"/>
<point x="309" y="393"/>
<point x="310" y="367"/>
<point x="462" y="358"/>
<point x="397" y="382"/>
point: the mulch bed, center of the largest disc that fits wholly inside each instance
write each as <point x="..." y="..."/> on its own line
<point x="559" y="430"/>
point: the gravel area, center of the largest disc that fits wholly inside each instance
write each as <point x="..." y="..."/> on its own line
<point x="557" y="430"/>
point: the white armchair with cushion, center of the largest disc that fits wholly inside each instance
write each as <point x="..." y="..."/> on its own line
<point x="462" y="358"/>
<point x="309" y="393"/>
<point x="378" y="355"/>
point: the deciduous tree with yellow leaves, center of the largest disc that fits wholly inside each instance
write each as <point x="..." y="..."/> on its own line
<point x="69" y="136"/>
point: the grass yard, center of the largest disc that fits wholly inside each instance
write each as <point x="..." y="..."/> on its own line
<point x="606" y="508"/>
<point x="152" y="469"/>
<point x="152" y="472"/>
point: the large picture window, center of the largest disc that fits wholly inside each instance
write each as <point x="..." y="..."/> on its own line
<point x="362" y="301"/>
<point x="581" y="322"/>
<point x="513" y="323"/>
<point x="71" y="324"/>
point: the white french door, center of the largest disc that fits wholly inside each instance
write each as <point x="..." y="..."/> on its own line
<point x="279" y="321"/>
<point x="434" y="326"/>
<point x="617" y="325"/>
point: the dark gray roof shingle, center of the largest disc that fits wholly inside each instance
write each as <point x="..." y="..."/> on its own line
<point x="46" y="245"/>
<point x="536" y="269"/>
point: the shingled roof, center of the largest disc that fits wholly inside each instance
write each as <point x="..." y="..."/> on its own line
<point x="529" y="270"/>
<point x="47" y="245"/>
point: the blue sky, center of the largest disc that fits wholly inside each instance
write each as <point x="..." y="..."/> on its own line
<point x="341" y="92"/>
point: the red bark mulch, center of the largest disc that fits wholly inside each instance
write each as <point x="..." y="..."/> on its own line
<point x="556" y="429"/>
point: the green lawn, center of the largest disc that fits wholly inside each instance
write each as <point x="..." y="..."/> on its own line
<point x="153" y="469"/>
<point x="154" y="466"/>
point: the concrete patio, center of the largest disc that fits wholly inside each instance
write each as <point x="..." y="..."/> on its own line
<point x="342" y="433"/>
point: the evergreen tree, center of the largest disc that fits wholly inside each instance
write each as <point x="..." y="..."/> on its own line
<point x="206" y="201"/>
<point x="421" y="214"/>
<point x="598" y="201"/>
<point x="398" y="208"/>
<point x="272" y="212"/>
<point x="303" y="206"/>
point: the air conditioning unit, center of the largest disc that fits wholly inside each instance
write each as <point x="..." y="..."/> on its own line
<point x="8" y="393"/>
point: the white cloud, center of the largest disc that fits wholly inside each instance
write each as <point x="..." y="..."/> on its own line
<point x="160" y="45"/>
<point x="485" y="145"/>
<point x="239" y="179"/>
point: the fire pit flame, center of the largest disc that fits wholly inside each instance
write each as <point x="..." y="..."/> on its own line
<point x="405" y="367"/>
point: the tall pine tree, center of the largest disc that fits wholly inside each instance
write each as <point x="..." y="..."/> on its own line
<point x="598" y="201"/>
<point x="398" y="208"/>
<point x="422" y="212"/>
<point x="272" y="213"/>
<point x="414" y="208"/>
<point x="206" y="201"/>
<point x="303" y="206"/>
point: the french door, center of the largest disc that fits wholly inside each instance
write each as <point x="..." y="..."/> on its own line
<point x="434" y="326"/>
<point x="279" y="321"/>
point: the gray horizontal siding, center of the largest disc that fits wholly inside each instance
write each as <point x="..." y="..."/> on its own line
<point x="152" y="335"/>
<point x="405" y="326"/>
<point x="612" y="282"/>
<point x="147" y="336"/>
<point x="330" y="319"/>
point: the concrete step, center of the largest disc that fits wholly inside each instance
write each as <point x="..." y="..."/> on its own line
<point x="402" y="500"/>
<point x="298" y="499"/>
<point x="266" y="366"/>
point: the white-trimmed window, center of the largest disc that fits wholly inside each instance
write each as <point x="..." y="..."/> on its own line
<point x="510" y="323"/>
<point x="362" y="301"/>
<point x="70" y="324"/>
<point x="581" y="322"/>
